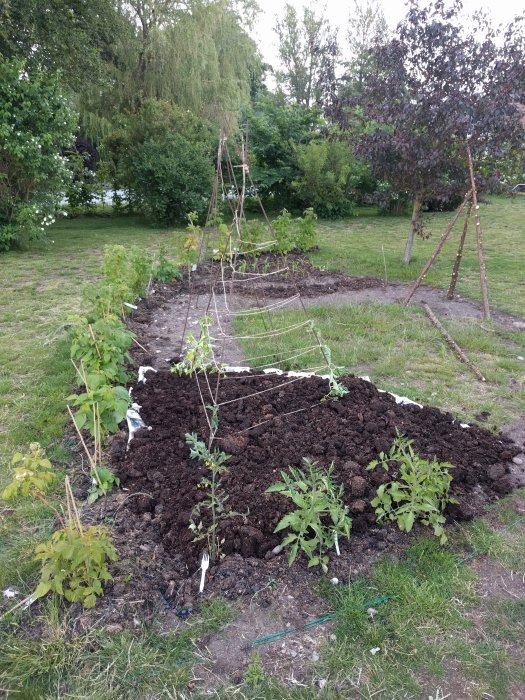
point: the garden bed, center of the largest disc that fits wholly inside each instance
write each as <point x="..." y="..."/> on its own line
<point x="262" y="441"/>
<point x="275" y="275"/>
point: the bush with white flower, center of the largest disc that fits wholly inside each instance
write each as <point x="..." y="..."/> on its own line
<point x="36" y="123"/>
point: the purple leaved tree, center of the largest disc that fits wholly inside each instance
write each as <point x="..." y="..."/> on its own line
<point x="443" y="82"/>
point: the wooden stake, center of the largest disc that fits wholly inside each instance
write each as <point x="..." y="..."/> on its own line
<point x="440" y="245"/>
<point x="479" y="241"/>
<point x="457" y="262"/>
<point x="452" y="343"/>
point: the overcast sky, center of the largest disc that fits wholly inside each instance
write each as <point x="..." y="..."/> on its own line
<point x="337" y="11"/>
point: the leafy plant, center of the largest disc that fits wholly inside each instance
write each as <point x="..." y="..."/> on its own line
<point x="336" y="390"/>
<point x="140" y="270"/>
<point x="284" y="233"/>
<point x="163" y="269"/>
<point x="127" y="270"/>
<point x="422" y="492"/>
<point x="320" y="516"/>
<point x="106" y="300"/>
<point x="254" y="234"/>
<point x="199" y="356"/>
<point x="103" y="481"/>
<point x="74" y="560"/>
<point x="101" y="407"/>
<point x="306" y="231"/>
<point x="215" y="500"/>
<point x="102" y="347"/>
<point x="33" y="473"/>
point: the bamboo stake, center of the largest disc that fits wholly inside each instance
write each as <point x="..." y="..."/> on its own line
<point x="90" y="458"/>
<point x="457" y="262"/>
<point x="440" y="245"/>
<point x="452" y="343"/>
<point x="479" y="241"/>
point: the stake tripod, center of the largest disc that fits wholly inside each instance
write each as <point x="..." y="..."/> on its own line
<point x="470" y="202"/>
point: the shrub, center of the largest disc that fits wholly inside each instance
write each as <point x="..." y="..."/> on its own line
<point x="36" y="122"/>
<point x="295" y="234"/>
<point x="328" y="170"/>
<point x="100" y="404"/>
<point x="173" y="178"/>
<point x="163" y="269"/>
<point x="33" y="474"/>
<point x="102" y="347"/>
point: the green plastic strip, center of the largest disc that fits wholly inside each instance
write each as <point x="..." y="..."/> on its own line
<point x="319" y="620"/>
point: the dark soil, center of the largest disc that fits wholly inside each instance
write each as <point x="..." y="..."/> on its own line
<point x="262" y="440"/>
<point x="275" y="275"/>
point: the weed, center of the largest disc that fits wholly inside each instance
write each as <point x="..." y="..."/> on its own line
<point x="215" y="496"/>
<point x="318" y="500"/>
<point x="422" y="494"/>
<point x="254" y="674"/>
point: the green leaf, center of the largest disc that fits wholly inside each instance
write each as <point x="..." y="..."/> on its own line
<point x="41" y="590"/>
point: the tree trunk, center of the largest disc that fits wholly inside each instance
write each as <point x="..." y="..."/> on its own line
<point x="416" y="212"/>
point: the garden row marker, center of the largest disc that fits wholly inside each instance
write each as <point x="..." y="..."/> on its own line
<point x="319" y="620"/>
<point x="452" y="343"/>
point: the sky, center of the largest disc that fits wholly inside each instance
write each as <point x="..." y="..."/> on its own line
<point x="337" y="12"/>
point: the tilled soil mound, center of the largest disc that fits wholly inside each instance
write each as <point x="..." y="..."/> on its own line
<point x="262" y="441"/>
<point x="274" y="275"/>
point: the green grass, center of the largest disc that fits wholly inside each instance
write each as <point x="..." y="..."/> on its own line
<point x="363" y="245"/>
<point x="402" y="352"/>
<point x="94" y="666"/>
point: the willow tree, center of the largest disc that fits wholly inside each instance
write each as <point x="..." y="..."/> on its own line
<point x="442" y="83"/>
<point x="196" y="54"/>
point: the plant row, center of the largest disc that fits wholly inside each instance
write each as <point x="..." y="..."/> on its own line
<point x="320" y="517"/>
<point x="74" y="562"/>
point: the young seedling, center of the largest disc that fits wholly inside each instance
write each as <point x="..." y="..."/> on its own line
<point x="320" y="516"/>
<point x="199" y="355"/>
<point x="216" y="497"/>
<point x="422" y="492"/>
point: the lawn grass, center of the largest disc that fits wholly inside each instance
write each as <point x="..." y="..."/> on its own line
<point x="433" y="590"/>
<point x="366" y="245"/>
